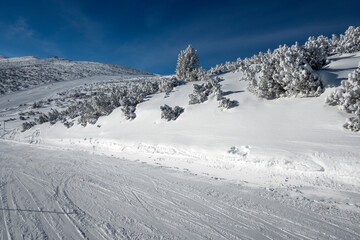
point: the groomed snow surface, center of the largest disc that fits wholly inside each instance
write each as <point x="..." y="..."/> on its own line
<point x="280" y="169"/>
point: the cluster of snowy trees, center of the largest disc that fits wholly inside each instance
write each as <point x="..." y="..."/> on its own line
<point x="211" y="86"/>
<point x="290" y="71"/>
<point x="347" y="43"/>
<point x="227" y="67"/>
<point x="286" y="71"/>
<point x="104" y="101"/>
<point x="167" y="85"/>
<point x="281" y="73"/>
<point x="169" y="113"/>
<point x="347" y="98"/>
<point x="314" y="51"/>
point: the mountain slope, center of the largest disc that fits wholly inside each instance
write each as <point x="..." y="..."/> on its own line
<point x="26" y="72"/>
<point x="300" y="135"/>
<point x="279" y="169"/>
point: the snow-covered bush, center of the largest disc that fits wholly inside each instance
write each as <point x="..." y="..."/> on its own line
<point x="187" y="65"/>
<point x="201" y="74"/>
<point x="87" y="114"/>
<point x="226" y="103"/>
<point x="167" y="85"/>
<point x="227" y="67"/>
<point x="170" y="114"/>
<point x="54" y="116"/>
<point x="211" y="86"/>
<point x="282" y="73"/>
<point x="129" y="112"/>
<point x="71" y="112"/>
<point x="353" y="124"/>
<point x="347" y="98"/>
<point x="38" y="104"/>
<point x="43" y="118"/>
<point x="316" y="50"/>
<point x="95" y="100"/>
<point x="350" y="41"/>
<point x="27" y="125"/>
<point x="201" y="92"/>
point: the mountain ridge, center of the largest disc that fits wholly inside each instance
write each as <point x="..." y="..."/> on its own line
<point x="28" y="71"/>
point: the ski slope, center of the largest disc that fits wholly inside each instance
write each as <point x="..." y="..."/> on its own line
<point x="51" y="193"/>
<point x="279" y="169"/>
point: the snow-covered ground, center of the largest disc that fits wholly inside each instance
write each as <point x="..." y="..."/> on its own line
<point x="52" y="193"/>
<point x="27" y="72"/>
<point x="275" y="169"/>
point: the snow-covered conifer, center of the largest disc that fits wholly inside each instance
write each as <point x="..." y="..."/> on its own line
<point x="350" y="42"/>
<point x="199" y="95"/>
<point x="316" y="50"/>
<point x="226" y="103"/>
<point x="170" y="114"/>
<point x="129" y="111"/>
<point x="347" y="98"/>
<point x="53" y="116"/>
<point x="187" y="64"/>
<point x="353" y="123"/>
<point x="27" y="125"/>
<point x="43" y="118"/>
<point x="282" y="73"/>
<point x="167" y="85"/>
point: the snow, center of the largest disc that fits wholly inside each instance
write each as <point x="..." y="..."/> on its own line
<point x="301" y="135"/>
<point x="17" y="59"/>
<point x="278" y="169"/>
<point x="79" y="195"/>
<point x="27" y="72"/>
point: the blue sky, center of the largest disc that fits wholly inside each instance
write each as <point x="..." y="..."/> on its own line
<point x="148" y="35"/>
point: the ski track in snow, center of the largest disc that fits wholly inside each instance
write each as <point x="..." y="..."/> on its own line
<point x="50" y="193"/>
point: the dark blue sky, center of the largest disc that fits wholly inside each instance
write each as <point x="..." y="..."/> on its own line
<point x="148" y="35"/>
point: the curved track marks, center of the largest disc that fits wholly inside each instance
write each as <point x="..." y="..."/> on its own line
<point x="58" y="194"/>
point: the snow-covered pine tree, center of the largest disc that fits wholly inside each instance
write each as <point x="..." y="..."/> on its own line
<point x="347" y="97"/>
<point x="282" y="73"/>
<point x="316" y="50"/>
<point x="27" y="125"/>
<point x="167" y="85"/>
<point x="170" y="114"/>
<point x="350" y="42"/>
<point x="187" y="64"/>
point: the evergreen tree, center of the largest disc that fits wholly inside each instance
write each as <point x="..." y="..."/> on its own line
<point x="188" y="64"/>
<point x="347" y="97"/>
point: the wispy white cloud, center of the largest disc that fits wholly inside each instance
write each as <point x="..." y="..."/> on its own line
<point x="19" y="29"/>
<point x="22" y="32"/>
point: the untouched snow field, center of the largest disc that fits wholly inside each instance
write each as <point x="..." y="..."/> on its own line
<point x="275" y="169"/>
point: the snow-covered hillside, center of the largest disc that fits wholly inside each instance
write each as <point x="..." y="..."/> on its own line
<point x="25" y="72"/>
<point x="289" y="160"/>
<point x="288" y="135"/>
